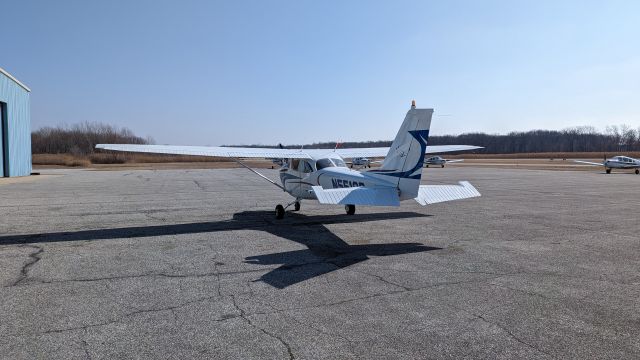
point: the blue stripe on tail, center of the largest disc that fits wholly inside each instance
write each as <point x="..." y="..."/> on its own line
<point x="421" y="136"/>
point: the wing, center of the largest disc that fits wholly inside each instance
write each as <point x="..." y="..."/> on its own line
<point x="588" y="162"/>
<point x="218" y="151"/>
<point x="382" y="151"/>
<point x="433" y="194"/>
<point x="437" y="149"/>
<point x="383" y="196"/>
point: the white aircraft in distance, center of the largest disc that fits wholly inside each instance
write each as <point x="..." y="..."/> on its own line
<point x="321" y="174"/>
<point x="437" y="160"/>
<point x="361" y="162"/>
<point x="616" y="162"/>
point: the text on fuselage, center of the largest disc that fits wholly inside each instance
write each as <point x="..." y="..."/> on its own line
<point x="339" y="183"/>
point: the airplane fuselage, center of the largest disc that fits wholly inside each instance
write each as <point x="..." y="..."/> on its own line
<point x="330" y="172"/>
<point x="622" y="162"/>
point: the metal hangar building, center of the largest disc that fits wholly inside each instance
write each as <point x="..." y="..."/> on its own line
<point x="15" y="126"/>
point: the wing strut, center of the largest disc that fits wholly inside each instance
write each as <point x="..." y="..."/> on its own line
<point x="257" y="173"/>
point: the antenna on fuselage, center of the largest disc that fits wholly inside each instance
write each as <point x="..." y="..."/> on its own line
<point x="413" y="104"/>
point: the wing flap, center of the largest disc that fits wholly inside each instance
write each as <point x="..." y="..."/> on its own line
<point x="217" y="151"/>
<point x="383" y="196"/>
<point x="433" y="194"/>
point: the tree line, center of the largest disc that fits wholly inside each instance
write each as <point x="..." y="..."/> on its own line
<point x="81" y="139"/>
<point x="576" y="139"/>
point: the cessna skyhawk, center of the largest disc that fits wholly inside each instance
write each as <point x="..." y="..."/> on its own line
<point x="322" y="174"/>
<point x="616" y="162"/>
<point x="437" y="160"/>
<point x="361" y="162"/>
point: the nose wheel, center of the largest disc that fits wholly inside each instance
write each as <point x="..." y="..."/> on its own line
<point x="637" y="171"/>
<point x="281" y="209"/>
<point x="350" y="209"/>
<point x="608" y="171"/>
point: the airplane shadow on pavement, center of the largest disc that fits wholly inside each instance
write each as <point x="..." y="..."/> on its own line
<point x="325" y="251"/>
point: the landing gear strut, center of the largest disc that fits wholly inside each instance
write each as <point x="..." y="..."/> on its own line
<point x="350" y="209"/>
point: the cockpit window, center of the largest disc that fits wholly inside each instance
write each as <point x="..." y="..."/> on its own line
<point x="324" y="163"/>
<point x="306" y="167"/>
<point x="339" y="163"/>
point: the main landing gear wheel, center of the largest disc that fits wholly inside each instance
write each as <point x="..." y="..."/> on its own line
<point x="351" y="209"/>
<point x="608" y="171"/>
<point x="442" y="165"/>
<point x="296" y="206"/>
<point x="637" y="171"/>
<point x="426" y="166"/>
<point x="279" y="211"/>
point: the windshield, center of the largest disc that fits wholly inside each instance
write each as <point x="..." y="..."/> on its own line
<point x="324" y="163"/>
<point x="339" y="163"/>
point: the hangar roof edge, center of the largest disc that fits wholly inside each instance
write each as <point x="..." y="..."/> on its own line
<point x="14" y="79"/>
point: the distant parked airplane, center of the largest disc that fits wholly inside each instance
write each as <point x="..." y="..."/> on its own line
<point x="437" y="160"/>
<point x="361" y="162"/>
<point x="321" y="174"/>
<point x="616" y="162"/>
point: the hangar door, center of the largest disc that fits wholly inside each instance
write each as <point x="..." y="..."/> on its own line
<point x="4" y="140"/>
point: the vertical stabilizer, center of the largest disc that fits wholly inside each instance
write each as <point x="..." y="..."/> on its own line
<point x="403" y="164"/>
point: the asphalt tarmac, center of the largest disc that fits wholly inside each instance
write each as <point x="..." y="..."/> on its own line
<point x="178" y="264"/>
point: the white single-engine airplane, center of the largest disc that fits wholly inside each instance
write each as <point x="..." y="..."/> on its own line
<point x="437" y="160"/>
<point x="321" y="174"/>
<point x="361" y="162"/>
<point x="616" y="162"/>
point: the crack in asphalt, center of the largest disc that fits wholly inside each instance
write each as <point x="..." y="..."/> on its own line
<point x="382" y="279"/>
<point x="34" y="257"/>
<point x="123" y="277"/>
<point x="170" y="309"/>
<point x="503" y="329"/>
<point x="85" y="345"/>
<point x="199" y="185"/>
<point x="245" y="317"/>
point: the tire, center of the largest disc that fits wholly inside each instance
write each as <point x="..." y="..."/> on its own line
<point x="350" y="209"/>
<point x="427" y="165"/>
<point x="442" y="165"/>
<point x="608" y="171"/>
<point x="637" y="171"/>
<point x="279" y="211"/>
<point x="296" y="206"/>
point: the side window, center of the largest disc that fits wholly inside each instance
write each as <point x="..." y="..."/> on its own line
<point x="307" y="167"/>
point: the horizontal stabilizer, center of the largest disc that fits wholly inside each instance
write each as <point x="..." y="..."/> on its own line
<point x="433" y="194"/>
<point x="384" y="196"/>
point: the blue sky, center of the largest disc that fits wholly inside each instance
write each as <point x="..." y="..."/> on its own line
<point x="263" y="72"/>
